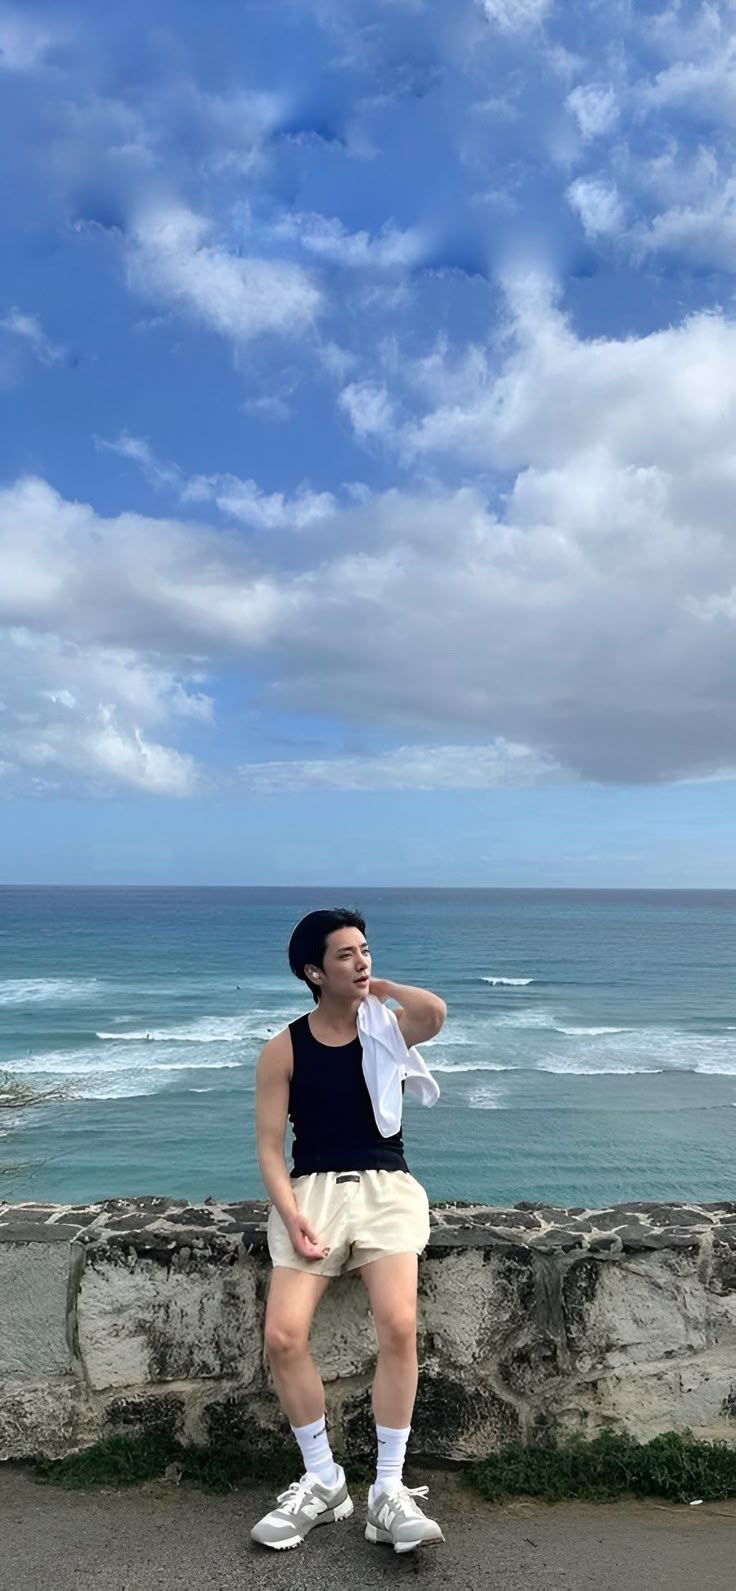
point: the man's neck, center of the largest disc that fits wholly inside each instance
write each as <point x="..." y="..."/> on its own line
<point x="335" y="1022"/>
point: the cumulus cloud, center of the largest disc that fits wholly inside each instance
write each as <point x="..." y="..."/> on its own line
<point x="595" y="108"/>
<point x="238" y="499"/>
<point x="368" y="407"/>
<point x="599" y="206"/>
<point x="31" y="332"/>
<point x="704" y="232"/>
<point x="516" y="16"/>
<point x="391" y="249"/>
<point x="702" y="78"/>
<point x="245" y="501"/>
<point x="157" y="583"/>
<point x="174" y="259"/>
<point x="556" y="396"/>
<point x="81" y="717"/>
<point x="580" y="625"/>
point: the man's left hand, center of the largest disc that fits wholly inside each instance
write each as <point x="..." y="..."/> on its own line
<point x="381" y="987"/>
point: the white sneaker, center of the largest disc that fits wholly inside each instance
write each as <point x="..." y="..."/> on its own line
<point x="395" y="1518"/>
<point x="304" y="1504"/>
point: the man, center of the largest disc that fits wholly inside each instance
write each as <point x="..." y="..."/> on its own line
<point x="349" y="1204"/>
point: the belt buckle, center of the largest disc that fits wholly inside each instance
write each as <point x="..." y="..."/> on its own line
<point x="348" y="1176"/>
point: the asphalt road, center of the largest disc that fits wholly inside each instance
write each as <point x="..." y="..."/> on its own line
<point x="161" y="1536"/>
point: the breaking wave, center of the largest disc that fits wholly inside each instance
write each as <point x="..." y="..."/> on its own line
<point x="509" y="983"/>
<point x="32" y="991"/>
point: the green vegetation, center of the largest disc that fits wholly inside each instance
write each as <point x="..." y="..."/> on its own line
<point x="675" y="1466"/>
<point x="128" y="1460"/>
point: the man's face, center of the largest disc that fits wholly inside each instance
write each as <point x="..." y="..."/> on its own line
<point x="346" y="969"/>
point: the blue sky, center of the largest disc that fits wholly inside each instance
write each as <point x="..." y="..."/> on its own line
<point x="368" y="387"/>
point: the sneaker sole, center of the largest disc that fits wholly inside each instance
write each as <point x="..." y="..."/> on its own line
<point x="343" y="1511"/>
<point x="382" y="1538"/>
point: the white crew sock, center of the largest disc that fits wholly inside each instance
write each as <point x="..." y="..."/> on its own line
<point x="316" y="1451"/>
<point x="391" y="1449"/>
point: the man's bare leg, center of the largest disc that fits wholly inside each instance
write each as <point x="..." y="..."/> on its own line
<point x="293" y="1297"/>
<point x="392" y="1289"/>
<point x="394" y="1516"/>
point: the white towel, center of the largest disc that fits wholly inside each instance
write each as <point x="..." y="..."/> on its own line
<point x="386" y="1061"/>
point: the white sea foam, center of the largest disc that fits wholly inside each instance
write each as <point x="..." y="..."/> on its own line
<point x="524" y="1019"/>
<point x="452" y="1037"/>
<point x="61" y="1063"/>
<point x="116" y="1088"/>
<point x="31" y="991"/>
<point x="509" y="983"/>
<point x="572" y="1068"/>
<point x="253" y="1025"/>
<point x="470" y="1066"/>
<point x="588" y="1032"/>
<point x="485" y="1099"/>
<point x="91" y="1063"/>
<point x="195" y="1066"/>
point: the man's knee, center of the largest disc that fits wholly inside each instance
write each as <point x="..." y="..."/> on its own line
<point x="285" y="1338"/>
<point x="396" y="1329"/>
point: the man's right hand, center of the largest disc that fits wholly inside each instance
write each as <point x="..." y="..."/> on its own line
<point x="304" y="1239"/>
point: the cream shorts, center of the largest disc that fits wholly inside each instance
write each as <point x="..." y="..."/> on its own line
<point x="363" y="1215"/>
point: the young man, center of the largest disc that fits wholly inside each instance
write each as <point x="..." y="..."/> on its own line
<point x="349" y="1204"/>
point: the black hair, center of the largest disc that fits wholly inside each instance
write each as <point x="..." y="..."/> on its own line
<point x="309" y="939"/>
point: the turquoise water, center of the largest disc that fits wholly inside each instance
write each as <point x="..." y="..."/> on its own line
<point x="589" y="1053"/>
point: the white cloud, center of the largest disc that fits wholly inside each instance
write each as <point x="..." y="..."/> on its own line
<point x="236" y="126"/>
<point x="389" y="250"/>
<point x="599" y="206"/>
<point x="30" y="330"/>
<point x="245" y="501"/>
<point x="516" y="16"/>
<point x="81" y="716"/>
<point x="556" y="397"/>
<point x="268" y="407"/>
<point x="172" y="259"/>
<point x="237" y="499"/>
<point x="368" y="408"/>
<point x="585" y="616"/>
<point x="705" y="86"/>
<point x="154" y="583"/>
<point x="425" y="767"/>
<point x="704" y="233"/>
<point x="24" y="42"/>
<point x="140" y="452"/>
<point x="595" y="108"/>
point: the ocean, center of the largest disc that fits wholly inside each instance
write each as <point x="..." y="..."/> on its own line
<point x="589" y="1055"/>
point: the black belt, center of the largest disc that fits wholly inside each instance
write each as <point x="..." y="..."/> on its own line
<point x="348" y="1176"/>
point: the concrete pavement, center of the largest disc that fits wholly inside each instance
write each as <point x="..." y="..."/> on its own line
<point x="164" y="1537"/>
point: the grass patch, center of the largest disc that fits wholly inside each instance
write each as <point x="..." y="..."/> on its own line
<point x="129" y="1460"/>
<point x="674" y="1465"/>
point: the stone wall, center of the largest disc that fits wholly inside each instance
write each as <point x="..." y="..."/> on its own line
<point x="142" y="1314"/>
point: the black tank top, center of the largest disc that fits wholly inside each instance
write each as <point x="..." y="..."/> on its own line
<point x="331" y="1112"/>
